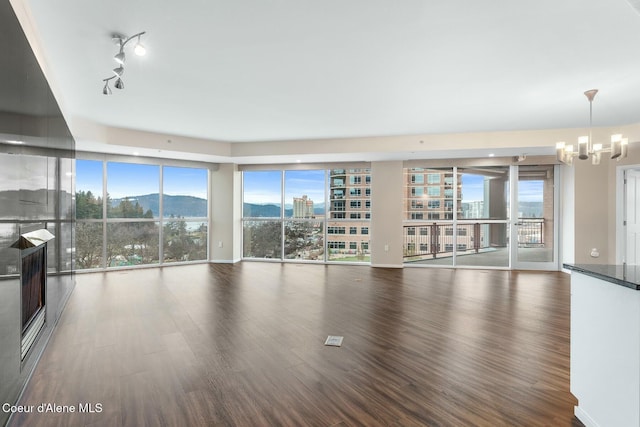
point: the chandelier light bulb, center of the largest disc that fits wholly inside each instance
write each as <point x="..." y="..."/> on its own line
<point x="560" y="151"/>
<point x="616" y="146"/>
<point x="583" y="143"/>
<point x="624" y="147"/>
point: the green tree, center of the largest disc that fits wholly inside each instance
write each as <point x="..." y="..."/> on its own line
<point x="88" y="206"/>
<point x="265" y="239"/>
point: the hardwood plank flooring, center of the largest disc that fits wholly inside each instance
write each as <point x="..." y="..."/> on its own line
<point x="242" y="345"/>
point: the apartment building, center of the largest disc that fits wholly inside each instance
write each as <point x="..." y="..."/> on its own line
<point x="349" y="214"/>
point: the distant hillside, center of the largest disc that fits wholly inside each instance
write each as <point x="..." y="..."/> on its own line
<point x="530" y="209"/>
<point x="273" y="211"/>
<point x="261" y="211"/>
<point x="178" y="206"/>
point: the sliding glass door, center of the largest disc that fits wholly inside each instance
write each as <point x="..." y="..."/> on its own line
<point x="535" y="211"/>
<point x="485" y="216"/>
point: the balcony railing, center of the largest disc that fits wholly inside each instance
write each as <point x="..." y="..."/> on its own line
<point x="530" y="232"/>
<point x="437" y="240"/>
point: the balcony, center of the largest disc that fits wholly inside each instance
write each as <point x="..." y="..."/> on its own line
<point x="434" y="242"/>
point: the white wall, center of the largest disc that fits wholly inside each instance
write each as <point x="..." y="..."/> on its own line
<point x="226" y="209"/>
<point x="591" y="211"/>
<point x="386" y="213"/>
<point x="589" y="202"/>
<point x="567" y="215"/>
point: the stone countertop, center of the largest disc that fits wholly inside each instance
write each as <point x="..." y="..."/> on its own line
<point x="623" y="275"/>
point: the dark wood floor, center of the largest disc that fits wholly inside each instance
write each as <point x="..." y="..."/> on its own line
<point x="242" y="345"/>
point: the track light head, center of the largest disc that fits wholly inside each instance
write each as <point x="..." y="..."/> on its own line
<point x="139" y="48"/>
<point x="119" y="84"/>
<point x="120" y="57"/>
<point x="119" y="71"/>
<point x="106" y="90"/>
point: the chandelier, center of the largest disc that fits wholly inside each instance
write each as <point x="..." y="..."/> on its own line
<point x="586" y="148"/>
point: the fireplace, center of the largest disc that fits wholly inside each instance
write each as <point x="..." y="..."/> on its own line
<point x="33" y="279"/>
<point x="33" y="283"/>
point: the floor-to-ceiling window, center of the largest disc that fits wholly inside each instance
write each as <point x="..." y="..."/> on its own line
<point x="139" y="214"/>
<point x="261" y="214"/>
<point x="457" y="216"/>
<point x="482" y="229"/>
<point x="304" y="196"/>
<point x="465" y="216"/>
<point x="309" y="215"/>
<point x="430" y="196"/>
<point x="133" y="201"/>
<point x="184" y="213"/>
<point x="349" y="215"/>
<point x="89" y="214"/>
<point x="534" y="227"/>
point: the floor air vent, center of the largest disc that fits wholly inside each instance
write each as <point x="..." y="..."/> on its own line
<point x="334" y="340"/>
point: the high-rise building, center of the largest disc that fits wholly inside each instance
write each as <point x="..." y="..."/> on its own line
<point x="349" y="214"/>
<point x="429" y="198"/>
<point x="430" y="193"/>
<point x="474" y="209"/>
<point x="303" y="207"/>
<point x="434" y="229"/>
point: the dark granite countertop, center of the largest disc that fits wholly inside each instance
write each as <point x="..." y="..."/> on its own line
<point x="627" y="275"/>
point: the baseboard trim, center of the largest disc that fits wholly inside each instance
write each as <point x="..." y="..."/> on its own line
<point x="387" y="265"/>
<point x="225" y="261"/>
<point x="584" y="417"/>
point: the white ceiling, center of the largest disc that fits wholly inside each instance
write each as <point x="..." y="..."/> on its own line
<point x="277" y="70"/>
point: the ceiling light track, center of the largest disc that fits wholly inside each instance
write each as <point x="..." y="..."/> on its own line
<point x="586" y="148"/>
<point x="120" y="59"/>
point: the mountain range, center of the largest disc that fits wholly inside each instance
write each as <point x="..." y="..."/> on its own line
<point x="177" y="206"/>
<point x="189" y="206"/>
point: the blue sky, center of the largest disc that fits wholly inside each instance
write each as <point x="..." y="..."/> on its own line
<point x="128" y="179"/>
<point x="264" y="187"/>
<point x="260" y="187"/>
<point x="530" y="191"/>
<point x="473" y="189"/>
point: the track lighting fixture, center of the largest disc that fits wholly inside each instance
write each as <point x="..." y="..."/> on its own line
<point x="120" y="58"/>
